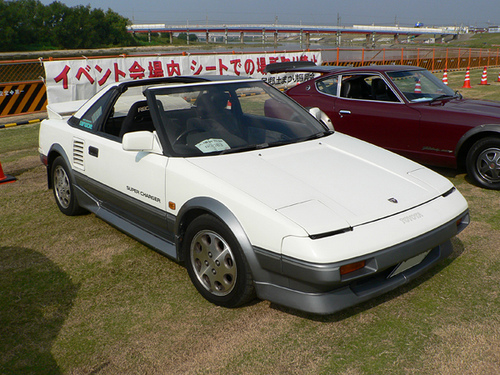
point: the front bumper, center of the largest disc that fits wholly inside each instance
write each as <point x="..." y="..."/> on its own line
<point x="320" y="289"/>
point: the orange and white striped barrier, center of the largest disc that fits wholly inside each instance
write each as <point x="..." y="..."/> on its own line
<point x="5" y="178"/>
<point x="484" y="77"/>
<point x="418" y="87"/>
<point x="445" y="77"/>
<point x="467" y="80"/>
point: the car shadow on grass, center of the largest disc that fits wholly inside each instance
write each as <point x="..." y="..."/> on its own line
<point x="454" y="174"/>
<point x="36" y="297"/>
<point x="458" y="249"/>
<point x="447" y="172"/>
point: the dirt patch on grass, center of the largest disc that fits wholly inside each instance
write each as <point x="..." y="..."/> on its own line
<point x="466" y="349"/>
<point x="20" y="166"/>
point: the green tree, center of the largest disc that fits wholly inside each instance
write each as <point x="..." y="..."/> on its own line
<point x="117" y="25"/>
<point x="28" y="24"/>
<point x="7" y="30"/>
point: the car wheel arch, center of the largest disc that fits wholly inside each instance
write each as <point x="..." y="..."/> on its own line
<point x="198" y="206"/>
<point x="471" y="137"/>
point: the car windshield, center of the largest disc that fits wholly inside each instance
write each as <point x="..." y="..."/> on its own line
<point x="420" y="85"/>
<point x="220" y="118"/>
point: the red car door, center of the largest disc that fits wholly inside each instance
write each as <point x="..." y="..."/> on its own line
<point x="367" y="108"/>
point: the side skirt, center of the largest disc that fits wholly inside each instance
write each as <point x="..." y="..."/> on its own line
<point x="159" y="244"/>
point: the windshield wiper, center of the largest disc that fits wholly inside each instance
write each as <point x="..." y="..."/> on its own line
<point x="261" y="146"/>
<point x="245" y="148"/>
<point x="441" y="97"/>
<point x="297" y="140"/>
<point x="318" y="135"/>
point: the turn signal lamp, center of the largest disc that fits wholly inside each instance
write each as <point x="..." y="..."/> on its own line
<point x="351" y="267"/>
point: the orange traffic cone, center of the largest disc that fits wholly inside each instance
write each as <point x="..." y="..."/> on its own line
<point x="484" y="77"/>
<point x="498" y="80"/>
<point x="445" y="77"/>
<point x="5" y="178"/>
<point x="418" y="87"/>
<point x="467" y="80"/>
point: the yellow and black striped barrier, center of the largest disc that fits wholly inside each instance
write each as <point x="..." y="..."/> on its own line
<point x="10" y="125"/>
<point x="20" y="98"/>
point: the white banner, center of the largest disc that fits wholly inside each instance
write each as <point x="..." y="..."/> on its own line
<point x="69" y="80"/>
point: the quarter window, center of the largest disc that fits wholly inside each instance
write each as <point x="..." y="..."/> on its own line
<point x="93" y="118"/>
<point x="328" y="85"/>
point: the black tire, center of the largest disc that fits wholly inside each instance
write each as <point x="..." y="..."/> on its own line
<point x="62" y="186"/>
<point x="216" y="264"/>
<point x="483" y="163"/>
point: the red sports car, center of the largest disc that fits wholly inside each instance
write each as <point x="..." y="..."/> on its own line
<point x="407" y="110"/>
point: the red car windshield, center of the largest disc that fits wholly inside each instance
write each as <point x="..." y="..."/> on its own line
<point x="420" y="85"/>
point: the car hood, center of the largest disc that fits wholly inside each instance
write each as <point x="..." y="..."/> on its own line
<point x="329" y="184"/>
<point x="471" y="107"/>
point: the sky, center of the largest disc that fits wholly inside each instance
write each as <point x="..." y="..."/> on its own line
<point x="480" y="13"/>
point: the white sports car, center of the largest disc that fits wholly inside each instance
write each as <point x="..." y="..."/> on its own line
<point x="255" y="195"/>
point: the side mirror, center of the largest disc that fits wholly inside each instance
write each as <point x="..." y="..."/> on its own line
<point x="141" y="141"/>
<point x="322" y="117"/>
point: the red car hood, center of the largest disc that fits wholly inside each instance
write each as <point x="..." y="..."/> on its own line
<point x="472" y="107"/>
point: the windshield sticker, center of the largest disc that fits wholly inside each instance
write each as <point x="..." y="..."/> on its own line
<point x="84" y="123"/>
<point x="211" y="145"/>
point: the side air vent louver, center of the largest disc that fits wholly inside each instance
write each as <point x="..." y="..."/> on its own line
<point x="78" y="147"/>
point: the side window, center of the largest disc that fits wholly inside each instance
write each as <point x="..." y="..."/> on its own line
<point x="129" y="113"/>
<point x="355" y="87"/>
<point x="93" y="118"/>
<point x="128" y="110"/>
<point x="366" y="87"/>
<point x="328" y="85"/>
<point x="381" y="91"/>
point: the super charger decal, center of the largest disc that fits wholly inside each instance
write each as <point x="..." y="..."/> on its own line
<point x="143" y="194"/>
<point x="69" y="80"/>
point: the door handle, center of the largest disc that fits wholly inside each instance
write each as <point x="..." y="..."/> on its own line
<point x="93" y="151"/>
<point x="343" y="112"/>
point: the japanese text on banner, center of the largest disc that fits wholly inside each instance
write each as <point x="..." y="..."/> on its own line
<point x="80" y="79"/>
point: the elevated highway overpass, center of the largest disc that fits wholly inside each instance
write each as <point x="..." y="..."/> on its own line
<point x="304" y="31"/>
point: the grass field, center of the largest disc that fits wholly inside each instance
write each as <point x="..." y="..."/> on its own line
<point x="79" y="297"/>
